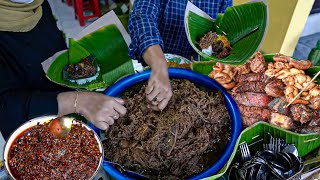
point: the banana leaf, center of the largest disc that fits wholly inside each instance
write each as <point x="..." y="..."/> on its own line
<point x="313" y="71"/>
<point x="203" y="67"/>
<point x="305" y="143"/>
<point x="314" y="55"/>
<point x="76" y="51"/>
<point x="111" y="51"/>
<point x="245" y="27"/>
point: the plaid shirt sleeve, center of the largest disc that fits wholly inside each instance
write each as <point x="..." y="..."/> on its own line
<point x="224" y="5"/>
<point x="143" y="27"/>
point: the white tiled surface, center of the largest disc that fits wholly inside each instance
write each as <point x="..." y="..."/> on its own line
<point x="2" y="143"/>
<point x="3" y="174"/>
<point x="66" y="21"/>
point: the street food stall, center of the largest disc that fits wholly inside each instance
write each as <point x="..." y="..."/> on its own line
<point x="235" y="112"/>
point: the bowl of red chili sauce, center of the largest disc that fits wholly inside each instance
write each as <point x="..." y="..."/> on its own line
<point x="32" y="152"/>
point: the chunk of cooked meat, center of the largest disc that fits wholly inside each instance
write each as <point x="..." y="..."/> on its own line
<point x="275" y="88"/>
<point x="248" y="121"/>
<point x="252" y="99"/>
<point x="300" y="64"/>
<point x="278" y="105"/>
<point x="301" y="113"/>
<point x="309" y="129"/>
<point x="281" y="121"/>
<point x="315" y="102"/>
<point x="242" y="69"/>
<point x="250" y="77"/>
<point x="249" y="87"/>
<point x="255" y="112"/>
<point x="316" y="119"/>
<point x="315" y="122"/>
<point x="258" y="64"/>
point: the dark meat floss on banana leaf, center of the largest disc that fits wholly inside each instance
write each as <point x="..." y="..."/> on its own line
<point x="85" y="71"/>
<point x="214" y="44"/>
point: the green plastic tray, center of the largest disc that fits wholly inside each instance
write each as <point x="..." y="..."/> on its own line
<point x="305" y="143"/>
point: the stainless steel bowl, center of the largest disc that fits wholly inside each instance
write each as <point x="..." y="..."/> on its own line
<point x="42" y="120"/>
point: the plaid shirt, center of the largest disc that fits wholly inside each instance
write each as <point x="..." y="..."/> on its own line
<point x="161" y="22"/>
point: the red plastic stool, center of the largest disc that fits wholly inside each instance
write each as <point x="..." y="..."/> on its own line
<point x="91" y="5"/>
<point x="69" y="2"/>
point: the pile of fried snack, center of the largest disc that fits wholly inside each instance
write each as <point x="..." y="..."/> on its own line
<point x="262" y="90"/>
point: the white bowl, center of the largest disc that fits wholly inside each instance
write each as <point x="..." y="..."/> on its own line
<point x="42" y="120"/>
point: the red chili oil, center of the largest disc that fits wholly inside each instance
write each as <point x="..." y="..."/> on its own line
<point x="37" y="154"/>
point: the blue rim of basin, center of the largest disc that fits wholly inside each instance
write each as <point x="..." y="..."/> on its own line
<point x="179" y="73"/>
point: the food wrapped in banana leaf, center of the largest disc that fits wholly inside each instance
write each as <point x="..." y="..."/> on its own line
<point x="214" y="44"/>
<point x="85" y="71"/>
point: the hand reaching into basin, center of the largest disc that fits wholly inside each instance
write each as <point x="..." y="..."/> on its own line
<point x="158" y="91"/>
<point x="99" y="109"/>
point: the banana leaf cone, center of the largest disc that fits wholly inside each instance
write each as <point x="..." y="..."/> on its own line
<point x="245" y="27"/>
<point x="107" y="47"/>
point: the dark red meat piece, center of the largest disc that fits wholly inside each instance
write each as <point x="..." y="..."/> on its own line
<point x="252" y="99"/>
<point x="301" y="113"/>
<point x="275" y="88"/>
<point x="278" y="105"/>
<point x="251" y="77"/>
<point x="255" y="112"/>
<point x="249" y="87"/>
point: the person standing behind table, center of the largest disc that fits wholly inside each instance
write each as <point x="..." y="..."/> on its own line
<point x="157" y="26"/>
<point x="28" y="36"/>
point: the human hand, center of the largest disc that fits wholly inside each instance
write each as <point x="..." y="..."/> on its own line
<point x="158" y="90"/>
<point x="99" y="109"/>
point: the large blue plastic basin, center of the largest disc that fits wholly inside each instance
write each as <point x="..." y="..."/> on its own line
<point x="177" y="73"/>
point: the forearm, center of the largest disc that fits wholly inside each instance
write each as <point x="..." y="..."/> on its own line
<point x="67" y="103"/>
<point x="154" y="57"/>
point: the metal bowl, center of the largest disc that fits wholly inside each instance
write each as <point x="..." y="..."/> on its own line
<point x="42" y="120"/>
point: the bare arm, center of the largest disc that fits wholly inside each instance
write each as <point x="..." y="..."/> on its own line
<point x="97" y="108"/>
<point x="154" y="57"/>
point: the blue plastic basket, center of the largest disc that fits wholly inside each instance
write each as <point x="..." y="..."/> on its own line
<point x="178" y="73"/>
